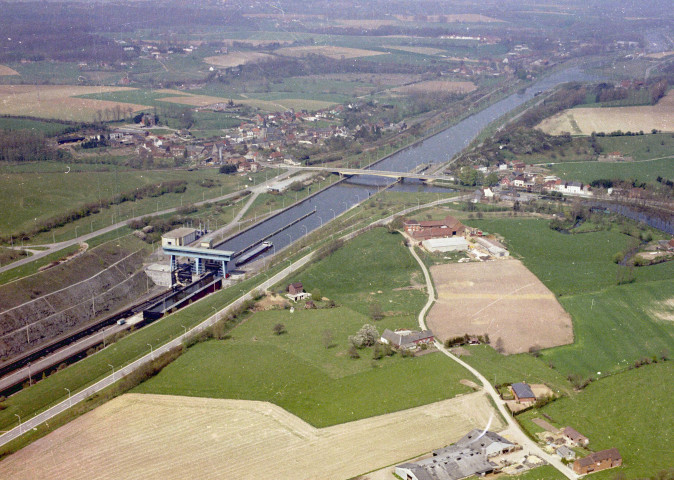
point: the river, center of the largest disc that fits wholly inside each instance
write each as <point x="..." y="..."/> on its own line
<point x="439" y="148"/>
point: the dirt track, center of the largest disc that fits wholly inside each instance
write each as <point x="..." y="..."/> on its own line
<point x="501" y="298"/>
<point x="163" y="437"/>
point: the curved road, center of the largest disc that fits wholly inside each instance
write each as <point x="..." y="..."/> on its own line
<point x="514" y="429"/>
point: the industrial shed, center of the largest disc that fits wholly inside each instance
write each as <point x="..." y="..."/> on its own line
<point x="449" y="244"/>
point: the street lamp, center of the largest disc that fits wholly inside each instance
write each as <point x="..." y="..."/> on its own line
<point x="17" y="415"/>
<point x="345" y="206"/>
<point x="113" y="371"/>
<point x="184" y="328"/>
<point x="333" y="213"/>
<point x="30" y="380"/>
<point x="357" y="198"/>
<point x="151" y="352"/>
<point x="290" y="237"/>
<point x="306" y="232"/>
<point x="70" y="402"/>
<point x="320" y="220"/>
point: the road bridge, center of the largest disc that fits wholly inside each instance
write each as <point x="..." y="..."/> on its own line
<point x="427" y="177"/>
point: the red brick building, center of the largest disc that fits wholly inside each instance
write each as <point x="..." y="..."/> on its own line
<point x="598" y="461"/>
<point x="448" y="227"/>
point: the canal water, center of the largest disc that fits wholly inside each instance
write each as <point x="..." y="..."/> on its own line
<point x="439" y="148"/>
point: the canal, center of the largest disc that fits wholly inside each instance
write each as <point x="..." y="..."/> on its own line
<point x="439" y="148"/>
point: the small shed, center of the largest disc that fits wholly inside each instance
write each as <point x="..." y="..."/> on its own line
<point x="566" y="453"/>
<point x="523" y="393"/>
<point x="575" y="436"/>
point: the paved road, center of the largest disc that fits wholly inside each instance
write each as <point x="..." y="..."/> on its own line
<point x="514" y="429"/>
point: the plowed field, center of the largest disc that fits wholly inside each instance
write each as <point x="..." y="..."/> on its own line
<point x="500" y="298"/>
<point x="161" y="437"/>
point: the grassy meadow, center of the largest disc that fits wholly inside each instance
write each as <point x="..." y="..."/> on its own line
<point x="630" y="411"/>
<point x="34" y="192"/>
<point x="297" y="371"/>
<point x="614" y="325"/>
<point x="642" y="171"/>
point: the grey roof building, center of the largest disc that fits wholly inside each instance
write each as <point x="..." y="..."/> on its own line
<point x="523" y="392"/>
<point x="407" y="339"/>
<point x="468" y="457"/>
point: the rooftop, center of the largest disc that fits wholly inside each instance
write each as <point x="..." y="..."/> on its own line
<point x="522" y="390"/>
<point x="179" y="232"/>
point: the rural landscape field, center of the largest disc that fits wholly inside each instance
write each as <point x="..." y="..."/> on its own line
<point x="429" y="240"/>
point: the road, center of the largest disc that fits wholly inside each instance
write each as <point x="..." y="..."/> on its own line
<point x="513" y="430"/>
<point x="53" y="247"/>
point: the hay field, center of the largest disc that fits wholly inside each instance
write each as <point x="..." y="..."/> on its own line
<point x="587" y="120"/>
<point x="234" y="59"/>
<point x="453" y="18"/>
<point x="58" y="101"/>
<point x="431" y="86"/>
<point x="5" y="70"/>
<point x="147" y="437"/>
<point x="420" y="50"/>
<point x="501" y="298"/>
<point x="254" y="42"/>
<point x="327" y="51"/>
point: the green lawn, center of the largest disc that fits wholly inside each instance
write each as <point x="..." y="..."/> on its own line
<point x="631" y="411"/>
<point x="545" y="472"/>
<point x="616" y="326"/>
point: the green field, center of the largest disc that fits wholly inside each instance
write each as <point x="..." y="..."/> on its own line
<point x="499" y="369"/>
<point x="48" y="128"/>
<point x="566" y="264"/>
<point x="613" y="325"/>
<point x="642" y="171"/>
<point x="296" y="371"/>
<point x="30" y="196"/>
<point x="373" y="262"/>
<point x="631" y="411"/>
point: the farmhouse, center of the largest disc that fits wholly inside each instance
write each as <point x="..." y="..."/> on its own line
<point x="468" y="457"/>
<point x="296" y="292"/>
<point x="407" y="339"/>
<point x="575" y="437"/>
<point x="423" y="230"/>
<point x="598" y="461"/>
<point x="523" y="393"/>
